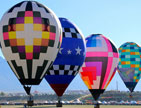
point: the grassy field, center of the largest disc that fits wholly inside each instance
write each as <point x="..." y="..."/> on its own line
<point x="76" y="106"/>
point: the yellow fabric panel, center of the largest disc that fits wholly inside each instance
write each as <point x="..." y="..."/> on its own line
<point x="19" y="27"/>
<point x="128" y="62"/>
<point x="45" y="35"/>
<point x="37" y="27"/>
<point x="128" y="50"/>
<point x="137" y="65"/>
<point x="87" y="82"/>
<point x="137" y="53"/>
<point x="20" y="42"/>
<point x="12" y="35"/>
<point x="37" y="41"/>
<point x="29" y="48"/>
<point x="28" y="20"/>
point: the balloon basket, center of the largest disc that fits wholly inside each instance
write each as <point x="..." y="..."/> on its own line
<point x="130" y="95"/>
<point x="97" y="105"/>
<point x="59" y="104"/>
<point x="30" y="102"/>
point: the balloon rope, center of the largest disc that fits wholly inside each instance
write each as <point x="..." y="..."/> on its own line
<point x="59" y="99"/>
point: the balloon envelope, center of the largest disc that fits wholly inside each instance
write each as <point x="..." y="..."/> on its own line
<point x="100" y="64"/>
<point x="129" y="67"/>
<point x="30" y="40"/>
<point x="69" y="59"/>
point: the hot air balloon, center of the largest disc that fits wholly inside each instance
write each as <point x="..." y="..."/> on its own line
<point x="129" y="67"/>
<point x="69" y="59"/>
<point x="100" y="64"/>
<point x="30" y="39"/>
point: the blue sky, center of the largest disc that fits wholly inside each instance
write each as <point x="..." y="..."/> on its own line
<point x="118" y="20"/>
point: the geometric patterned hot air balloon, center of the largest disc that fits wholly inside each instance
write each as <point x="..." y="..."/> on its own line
<point x="100" y="64"/>
<point x="129" y="67"/>
<point x="69" y="59"/>
<point x="30" y="40"/>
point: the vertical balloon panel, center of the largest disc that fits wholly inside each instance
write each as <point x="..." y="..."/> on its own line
<point x="30" y="35"/>
<point x="100" y="64"/>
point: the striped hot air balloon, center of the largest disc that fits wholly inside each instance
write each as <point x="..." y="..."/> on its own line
<point x="100" y="64"/>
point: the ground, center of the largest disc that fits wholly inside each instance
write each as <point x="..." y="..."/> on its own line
<point x="77" y="106"/>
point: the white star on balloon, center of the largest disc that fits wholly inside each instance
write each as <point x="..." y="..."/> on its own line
<point x="60" y="51"/>
<point x="78" y="50"/>
<point x="69" y="51"/>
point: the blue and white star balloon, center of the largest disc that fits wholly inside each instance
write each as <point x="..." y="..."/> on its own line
<point x="69" y="59"/>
